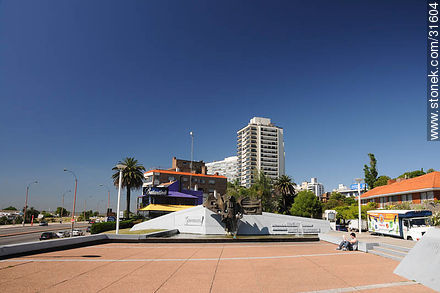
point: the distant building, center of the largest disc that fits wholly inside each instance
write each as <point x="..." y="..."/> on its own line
<point x="260" y="146"/>
<point x="185" y="166"/>
<point x="166" y="198"/>
<point x="313" y="186"/>
<point x="344" y="190"/>
<point x="413" y="191"/>
<point x="227" y="167"/>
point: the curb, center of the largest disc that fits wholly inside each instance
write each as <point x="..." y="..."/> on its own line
<point x="22" y="249"/>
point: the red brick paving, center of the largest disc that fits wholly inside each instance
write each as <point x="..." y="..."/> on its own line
<point x="261" y="267"/>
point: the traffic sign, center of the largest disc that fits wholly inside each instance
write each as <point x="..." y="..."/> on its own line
<point x="355" y="186"/>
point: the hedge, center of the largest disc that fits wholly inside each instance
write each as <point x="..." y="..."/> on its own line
<point x="108" y="226"/>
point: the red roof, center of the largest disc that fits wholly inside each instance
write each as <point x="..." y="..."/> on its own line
<point x="185" y="173"/>
<point x="428" y="181"/>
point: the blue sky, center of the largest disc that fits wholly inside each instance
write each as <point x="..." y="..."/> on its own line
<point x="84" y="84"/>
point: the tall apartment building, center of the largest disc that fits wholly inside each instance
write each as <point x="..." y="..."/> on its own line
<point x="227" y="167"/>
<point x="260" y="146"/>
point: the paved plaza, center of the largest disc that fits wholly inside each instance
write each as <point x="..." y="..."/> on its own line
<point x="207" y="267"/>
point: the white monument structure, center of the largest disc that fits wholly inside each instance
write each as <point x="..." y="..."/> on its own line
<point x="200" y="220"/>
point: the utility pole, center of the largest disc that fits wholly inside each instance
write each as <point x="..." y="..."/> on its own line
<point x="26" y="201"/>
<point x="191" y="163"/>
<point x="359" y="180"/>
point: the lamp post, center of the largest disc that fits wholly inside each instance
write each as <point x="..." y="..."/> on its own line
<point x="191" y="163"/>
<point x="108" y="190"/>
<point x="121" y="167"/>
<point x="74" y="200"/>
<point x="359" y="180"/>
<point x="26" y="201"/>
<point x="62" y="205"/>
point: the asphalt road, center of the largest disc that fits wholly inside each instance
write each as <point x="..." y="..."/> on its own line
<point x="13" y="235"/>
<point x="18" y="229"/>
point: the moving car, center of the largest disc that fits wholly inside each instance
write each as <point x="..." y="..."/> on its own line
<point x="48" y="235"/>
<point x="43" y="224"/>
<point x="62" y="234"/>
<point x="77" y="232"/>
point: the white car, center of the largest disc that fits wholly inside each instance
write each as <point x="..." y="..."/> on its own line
<point x="61" y="234"/>
<point x="77" y="232"/>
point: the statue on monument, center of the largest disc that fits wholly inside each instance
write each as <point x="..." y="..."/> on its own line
<point x="231" y="211"/>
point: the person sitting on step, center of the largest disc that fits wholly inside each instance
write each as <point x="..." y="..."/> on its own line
<point x="348" y="244"/>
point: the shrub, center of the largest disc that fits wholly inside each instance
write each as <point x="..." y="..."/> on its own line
<point x="108" y="226"/>
<point x="436" y="219"/>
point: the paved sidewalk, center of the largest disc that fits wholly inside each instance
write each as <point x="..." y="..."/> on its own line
<point x="204" y="267"/>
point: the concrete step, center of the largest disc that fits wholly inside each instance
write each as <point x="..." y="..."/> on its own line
<point x="384" y="254"/>
<point x="396" y="247"/>
<point x="387" y="250"/>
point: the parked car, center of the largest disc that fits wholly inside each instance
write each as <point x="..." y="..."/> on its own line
<point x="354" y="225"/>
<point x="48" y="235"/>
<point x="43" y="224"/>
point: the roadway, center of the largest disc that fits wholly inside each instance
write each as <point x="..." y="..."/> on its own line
<point x="19" y="234"/>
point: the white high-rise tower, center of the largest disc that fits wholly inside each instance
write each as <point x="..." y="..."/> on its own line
<point x="260" y="146"/>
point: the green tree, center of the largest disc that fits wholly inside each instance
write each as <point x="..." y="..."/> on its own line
<point x="286" y="187"/>
<point x="263" y="189"/>
<point x="337" y="199"/>
<point x="352" y="211"/>
<point x="236" y="190"/>
<point x="382" y="180"/>
<point x="412" y="174"/>
<point x="430" y="170"/>
<point x="306" y="205"/>
<point x="46" y="214"/>
<point x="370" y="172"/>
<point x="63" y="213"/>
<point x="132" y="177"/>
<point x="10" y="208"/>
<point x="31" y="212"/>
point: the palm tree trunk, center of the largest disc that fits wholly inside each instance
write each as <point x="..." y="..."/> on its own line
<point x="128" y="202"/>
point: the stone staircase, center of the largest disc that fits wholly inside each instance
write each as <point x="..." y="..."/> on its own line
<point x="380" y="248"/>
<point x="390" y="251"/>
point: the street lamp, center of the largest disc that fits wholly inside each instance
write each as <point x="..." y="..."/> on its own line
<point x="359" y="180"/>
<point x="191" y="163"/>
<point x="26" y="201"/>
<point x="74" y="200"/>
<point x="62" y="206"/>
<point x="108" y="190"/>
<point x="121" y="167"/>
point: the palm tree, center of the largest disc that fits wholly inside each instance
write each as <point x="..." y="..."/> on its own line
<point x="286" y="187"/>
<point x="132" y="177"/>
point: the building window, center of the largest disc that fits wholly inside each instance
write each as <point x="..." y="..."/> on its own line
<point x="211" y="181"/>
<point x="185" y="179"/>
<point x="423" y="196"/>
<point x="404" y="197"/>
<point x="409" y="197"/>
<point x="430" y="195"/>
<point x="171" y="178"/>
